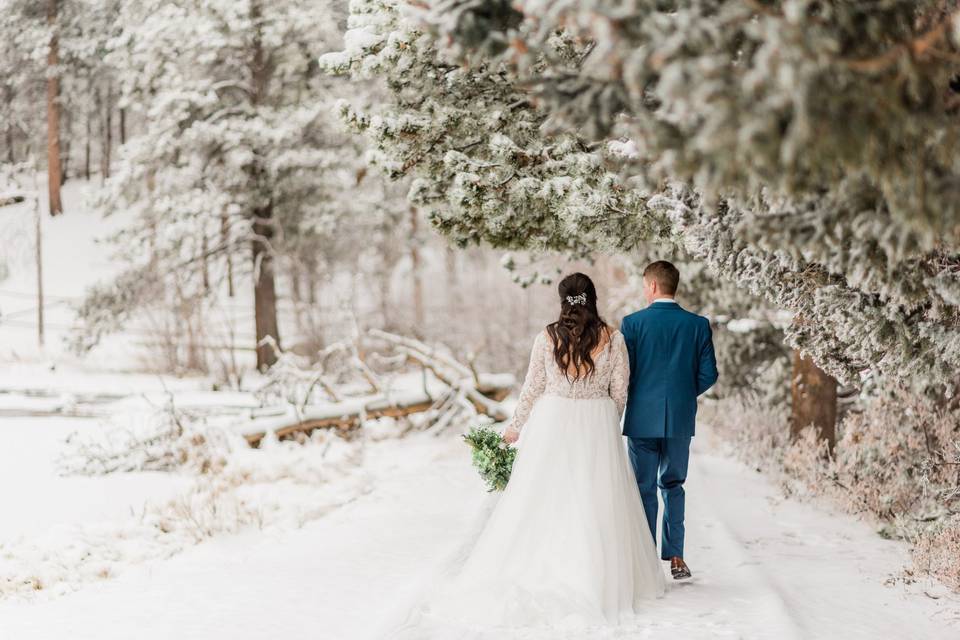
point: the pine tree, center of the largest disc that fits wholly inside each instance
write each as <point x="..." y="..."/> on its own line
<point x="236" y="166"/>
<point x="54" y="172"/>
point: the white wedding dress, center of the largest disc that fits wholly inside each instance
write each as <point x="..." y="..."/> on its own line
<point x="567" y="543"/>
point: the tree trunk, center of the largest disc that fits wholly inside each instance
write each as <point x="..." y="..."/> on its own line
<point x="204" y="250"/>
<point x="107" y="134"/>
<point x="312" y="268"/>
<point x="65" y="146"/>
<point x="123" y="126"/>
<point x="225" y="239"/>
<point x="86" y="150"/>
<point x="11" y="158"/>
<point x="814" y="395"/>
<point x="264" y="292"/>
<point x="53" y="113"/>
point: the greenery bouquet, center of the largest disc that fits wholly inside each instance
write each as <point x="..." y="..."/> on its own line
<point x="492" y="457"/>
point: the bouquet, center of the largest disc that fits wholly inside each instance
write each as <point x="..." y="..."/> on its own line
<point x="492" y="457"/>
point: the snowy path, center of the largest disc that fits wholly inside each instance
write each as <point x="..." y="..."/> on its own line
<point x="765" y="568"/>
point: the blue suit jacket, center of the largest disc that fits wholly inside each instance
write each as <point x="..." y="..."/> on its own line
<point x="671" y="363"/>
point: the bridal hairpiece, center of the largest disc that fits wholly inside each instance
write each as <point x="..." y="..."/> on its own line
<point x="580" y="298"/>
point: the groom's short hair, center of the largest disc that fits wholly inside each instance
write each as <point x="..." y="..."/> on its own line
<point x="665" y="275"/>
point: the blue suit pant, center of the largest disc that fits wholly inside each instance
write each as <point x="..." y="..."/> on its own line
<point x="662" y="462"/>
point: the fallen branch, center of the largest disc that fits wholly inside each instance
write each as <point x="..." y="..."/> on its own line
<point x="467" y="392"/>
<point x="11" y="198"/>
<point x="451" y="372"/>
<point x="346" y="422"/>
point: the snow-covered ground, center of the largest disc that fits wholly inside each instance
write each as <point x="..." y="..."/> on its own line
<point x="765" y="567"/>
<point x="75" y="256"/>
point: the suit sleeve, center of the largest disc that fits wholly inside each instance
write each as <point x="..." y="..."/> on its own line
<point x="707" y="367"/>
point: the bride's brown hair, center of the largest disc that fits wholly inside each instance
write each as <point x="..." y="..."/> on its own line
<point x="579" y="329"/>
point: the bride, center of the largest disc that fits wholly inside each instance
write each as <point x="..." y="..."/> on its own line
<point x="568" y="541"/>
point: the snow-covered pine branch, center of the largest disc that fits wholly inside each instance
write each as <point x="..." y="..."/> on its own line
<point x="712" y="149"/>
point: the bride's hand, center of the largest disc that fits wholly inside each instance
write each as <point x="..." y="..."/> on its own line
<point x="510" y="436"/>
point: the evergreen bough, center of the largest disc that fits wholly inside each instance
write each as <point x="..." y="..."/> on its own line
<point x="803" y="151"/>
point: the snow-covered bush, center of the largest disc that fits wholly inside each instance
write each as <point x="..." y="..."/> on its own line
<point x="805" y="464"/>
<point x="937" y="552"/>
<point x="899" y="457"/>
<point x="167" y="439"/>
<point x="281" y="484"/>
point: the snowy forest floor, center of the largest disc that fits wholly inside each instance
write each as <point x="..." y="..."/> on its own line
<point x="764" y="567"/>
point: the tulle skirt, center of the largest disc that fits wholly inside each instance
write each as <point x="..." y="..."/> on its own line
<point x="567" y="543"/>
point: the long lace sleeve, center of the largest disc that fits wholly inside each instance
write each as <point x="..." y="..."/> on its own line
<point x="620" y="372"/>
<point x="533" y="385"/>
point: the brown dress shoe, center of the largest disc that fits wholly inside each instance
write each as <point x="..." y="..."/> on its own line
<point x="679" y="569"/>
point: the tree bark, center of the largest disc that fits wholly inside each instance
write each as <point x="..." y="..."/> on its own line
<point x="53" y="112"/>
<point x="264" y="292"/>
<point x="225" y="239"/>
<point x="65" y="147"/>
<point x="123" y="126"/>
<point x="11" y="158"/>
<point x="814" y="396"/>
<point x="107" y="134"/>
<point x="204" y="250"/>
<point x="86" y="150"/>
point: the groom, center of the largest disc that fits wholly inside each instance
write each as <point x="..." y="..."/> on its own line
<point x="671" y="363"/>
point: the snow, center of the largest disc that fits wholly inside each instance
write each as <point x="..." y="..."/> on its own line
<point x="74" y="256"/>
<point x="764" y="567"/>
<point x="627" y="149"/>
<point x="67" y="531"/>
<point x="27" y="460"/>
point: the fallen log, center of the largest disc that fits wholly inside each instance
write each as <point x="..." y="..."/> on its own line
<point x="11" y="198"/>
<point x="342" y="423"/>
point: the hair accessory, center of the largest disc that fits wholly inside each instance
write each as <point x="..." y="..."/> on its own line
<point x="580" y="298"/>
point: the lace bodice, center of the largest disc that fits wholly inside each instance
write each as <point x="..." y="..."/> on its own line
<point x="608" y="380"/>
